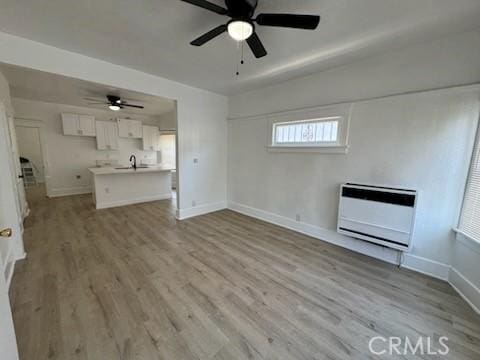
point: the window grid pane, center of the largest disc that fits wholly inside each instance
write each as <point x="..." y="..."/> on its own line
<point x="308" y="132"/>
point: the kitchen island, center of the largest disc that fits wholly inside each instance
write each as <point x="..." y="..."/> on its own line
<point x="119" y="186"/>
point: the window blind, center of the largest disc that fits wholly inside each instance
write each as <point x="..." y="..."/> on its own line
<point x="470" y="217"/>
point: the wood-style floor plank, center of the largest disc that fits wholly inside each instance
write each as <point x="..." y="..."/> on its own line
<point x="135" y="283"/>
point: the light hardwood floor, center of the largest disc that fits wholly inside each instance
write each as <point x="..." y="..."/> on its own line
<point x="134" y="283"/>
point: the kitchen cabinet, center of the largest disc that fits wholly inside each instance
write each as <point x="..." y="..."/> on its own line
<point x="151" y="136"/>
<point x="107" y="135"/>
<point x="128" y="128"/>
<point x="78" y="125"/>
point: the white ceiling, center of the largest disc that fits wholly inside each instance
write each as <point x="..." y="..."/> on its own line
<point x="41" y="86"/>
<point x="154" y="35"/>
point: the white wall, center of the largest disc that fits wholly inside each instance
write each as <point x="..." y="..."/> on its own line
<point x="465" y="274"/>
<point x="445" y="62"/>
<point x="201" y="115"/>
<point x="412" y="146"/>
<point x="70" y="156"/>
<point x="422" y="141"/>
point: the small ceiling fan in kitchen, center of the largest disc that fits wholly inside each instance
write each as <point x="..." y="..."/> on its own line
<point x="114" y="103"/>
<point x="241" y="25"/>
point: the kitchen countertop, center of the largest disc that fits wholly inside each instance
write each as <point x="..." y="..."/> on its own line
<point x="113" y="171"/>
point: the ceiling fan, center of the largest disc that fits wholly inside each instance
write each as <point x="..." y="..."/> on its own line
<point x="242" y="24"/>
<point x="114" y="103"/>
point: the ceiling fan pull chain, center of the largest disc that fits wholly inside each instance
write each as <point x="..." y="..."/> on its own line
<point x="237" y="72"/>
<point x="242" y="62"/>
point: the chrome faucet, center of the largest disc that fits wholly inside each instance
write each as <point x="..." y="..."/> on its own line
<point x="134" y="165"/>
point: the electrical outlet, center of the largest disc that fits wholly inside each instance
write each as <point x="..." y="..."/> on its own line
<point x="297" y="217"/>
<point x="194" y="203"/>
<point x="195" y="161"/>
<point x="107" y="190"/>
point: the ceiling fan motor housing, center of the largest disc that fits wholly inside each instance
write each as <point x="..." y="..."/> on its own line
<point x="241" y="10"/>
<point x="241" y="26"/>
<point x="113" y="99"/>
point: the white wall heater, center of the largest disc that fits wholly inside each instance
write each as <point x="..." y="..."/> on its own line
<point x="377" y="214"/>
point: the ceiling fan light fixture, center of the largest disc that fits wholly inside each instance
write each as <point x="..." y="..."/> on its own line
<point x="240" y="30"/>
<point x="114" y="107"/>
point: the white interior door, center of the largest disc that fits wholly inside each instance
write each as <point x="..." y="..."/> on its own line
<point x="8" y="246"/>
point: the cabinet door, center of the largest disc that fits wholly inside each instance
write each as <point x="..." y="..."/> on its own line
<point x="122" y="128"/>
<point x="129" y="128"/>
<point x="150" y="138"/>
<point x="70" y="124"/>
<point x="101" y="131"/>
<point x="107" y="138"/>
<point x="112" y="135"/>
<point x="137" y="129"/>
<point x="147" y="139"/>
<point x="86" y="124"/>
<point x="101" y="136"/>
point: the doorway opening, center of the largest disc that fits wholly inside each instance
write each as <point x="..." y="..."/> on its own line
<point x="77" y="129"/>
<point x="30" y="151"/>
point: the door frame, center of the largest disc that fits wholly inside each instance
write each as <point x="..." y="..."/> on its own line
<point x="40" y="125"/>
<point x="174" y="131"/>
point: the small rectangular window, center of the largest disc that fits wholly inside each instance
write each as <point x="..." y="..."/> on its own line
<point x="317" y="132"/>
<point x="323" y="129"/>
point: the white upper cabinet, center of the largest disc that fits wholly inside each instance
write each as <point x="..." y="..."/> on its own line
<point x="107" y="135"/>
<point x="79" y="125"/>
<point x="151" y="136"/>
<point x="87" y="125"/>
<point x="129" y="128"/>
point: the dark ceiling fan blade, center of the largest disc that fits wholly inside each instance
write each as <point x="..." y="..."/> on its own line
<point x="208" y="5"/>
<point x="98" y="103"/>
<point x="209" y="35"/>
<point x="308" y="22"/>
<point x="93" y="99"/>
<point x="256" y="46"/>
<point x="132" y="106"/>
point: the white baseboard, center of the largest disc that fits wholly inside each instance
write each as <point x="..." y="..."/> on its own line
<point x="467" y="290"/>
<point x="9" y="266"/>
<point x="25" y="213"/>
<point x="132" y="201"/>
<point x="8" y="271"/>
<point x="21" y="256"/>
<point x="327" y="235"/>
<point x="183" y="214"/>
<point x="69" y="191"/>
<point x="426" y="266"/>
